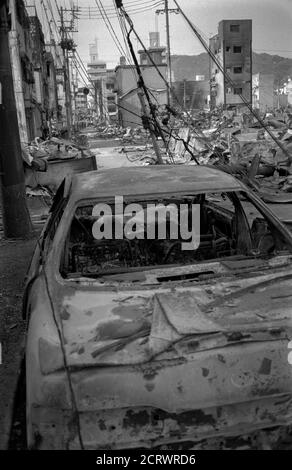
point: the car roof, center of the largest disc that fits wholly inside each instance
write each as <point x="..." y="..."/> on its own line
<point x="151" y="180"/>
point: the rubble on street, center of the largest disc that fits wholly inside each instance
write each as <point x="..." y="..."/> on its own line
<point x="227" y="140"/>
<point x="47" y="162"/>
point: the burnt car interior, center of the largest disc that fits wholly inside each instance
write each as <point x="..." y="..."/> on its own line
<point x="224" y="232"/>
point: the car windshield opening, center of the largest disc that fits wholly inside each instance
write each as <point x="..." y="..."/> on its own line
<point x="160" y="233"/>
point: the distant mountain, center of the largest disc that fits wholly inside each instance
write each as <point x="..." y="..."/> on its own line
<point x="281" y="67"/>
<point x="188" y="66"/>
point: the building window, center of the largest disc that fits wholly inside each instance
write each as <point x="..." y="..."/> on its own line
<point x="237" y="49"/>
<point x="227" y="48"/>
<point x="234" y="28"/>
<point x="237" y="91"/>
<point x="237" y="70"/>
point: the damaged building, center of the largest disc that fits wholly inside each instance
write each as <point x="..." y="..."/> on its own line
<point x="154" y="77"/>
<point x="232" y="47"/>
<point x="34" y="73"/>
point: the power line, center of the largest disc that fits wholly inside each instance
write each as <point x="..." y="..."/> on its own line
<point x="110" y="28"/>
<point x="82" y="15"/>
<point x="199" y="134"/>
<point x="171" y="134"/>
<point x="159" y="72"/>
<point x="124" y="52"/>
<point x="129" y="5"/>
<point x="85" y="73"/>
<point x="124" y="32"/>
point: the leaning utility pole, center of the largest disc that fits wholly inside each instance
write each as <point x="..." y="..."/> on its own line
<point x="168" y="49"/>
<point x="167" y="11"/>
<point x="16" y="218"/>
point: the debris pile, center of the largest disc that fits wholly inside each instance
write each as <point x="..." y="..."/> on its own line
<point x="108" y="132"/>
<point x="141" y="155"/>
<point x="129" y="135"/>
<point x="40" y="152"/>
<point x="237" y="143"/>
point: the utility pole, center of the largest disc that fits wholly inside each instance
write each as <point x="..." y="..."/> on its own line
<point x="67" y="45"/>
<point x="152" y="134"/>
<point x="16" y="219"/>
<point x="167" y="11"/>
<point x="75" y="91"/>
<point x="168" y="50"/>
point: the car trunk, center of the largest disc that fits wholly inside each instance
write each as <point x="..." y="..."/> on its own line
<point x="180" y="366"/>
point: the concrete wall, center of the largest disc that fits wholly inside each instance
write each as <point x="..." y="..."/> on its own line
<point x="263" y="91"/>
<point x="126" y="86"/>
<point x="217" y="78"/>
<point x="194" y="94"/>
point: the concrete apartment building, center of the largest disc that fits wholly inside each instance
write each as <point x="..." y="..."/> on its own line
<point x="233" y="49"/>
<point x="126" y="83"/>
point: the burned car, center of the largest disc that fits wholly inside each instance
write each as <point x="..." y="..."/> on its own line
<point x="135" y="342"/>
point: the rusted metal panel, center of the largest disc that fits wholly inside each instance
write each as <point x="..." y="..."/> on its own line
<point x="110" y="328"/>
<point x="132" y="181"/>
<point x="147" y="427"/>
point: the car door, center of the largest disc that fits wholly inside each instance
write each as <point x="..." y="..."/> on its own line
<point x="43" y="244"/>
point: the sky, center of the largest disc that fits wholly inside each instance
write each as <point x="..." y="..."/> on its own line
<point x="272" y="24"/>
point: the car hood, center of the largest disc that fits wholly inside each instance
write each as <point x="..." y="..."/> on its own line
<point x="129" y="327"/>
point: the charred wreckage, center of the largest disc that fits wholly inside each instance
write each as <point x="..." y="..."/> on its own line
<point x="138" y="344"/>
